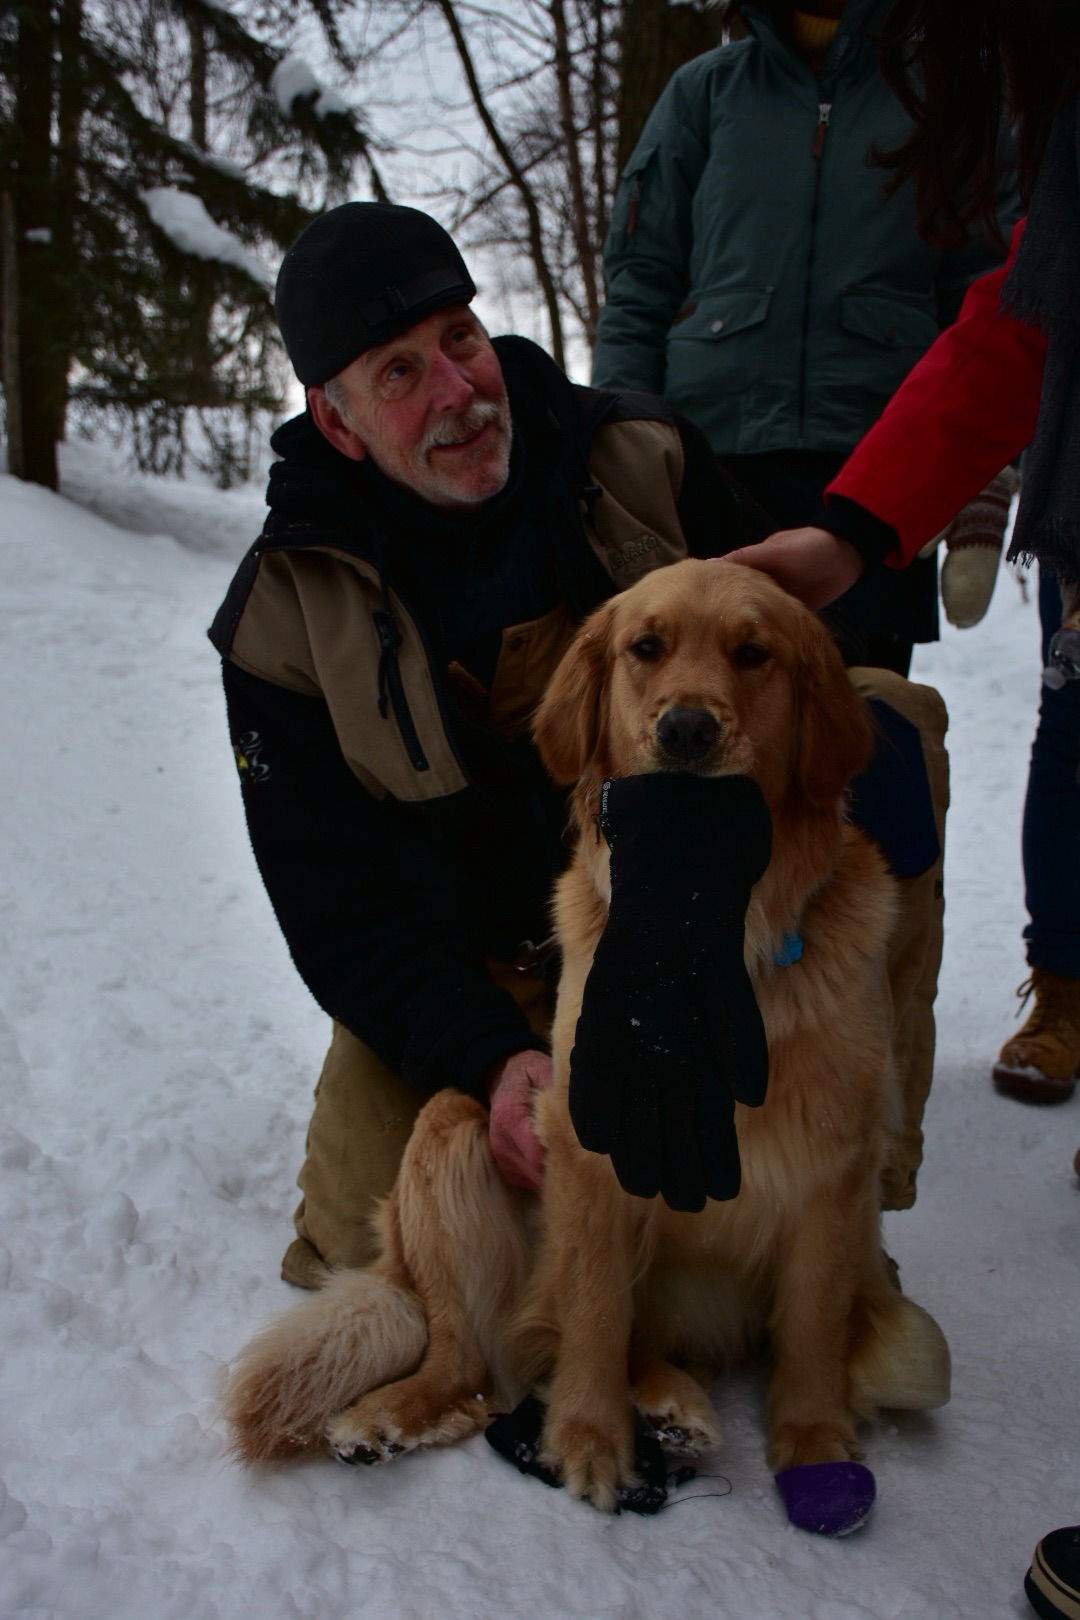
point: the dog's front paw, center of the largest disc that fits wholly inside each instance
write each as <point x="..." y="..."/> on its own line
<point x="830" y="1499"/>
<point x="590" y="1459"/>
<point x="795" y="1445"/>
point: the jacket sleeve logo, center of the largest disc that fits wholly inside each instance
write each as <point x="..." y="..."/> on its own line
<point x="247" y="750"/>
<point x="633" y="551"/>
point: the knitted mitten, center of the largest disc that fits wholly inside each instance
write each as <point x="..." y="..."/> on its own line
<point x="973" y="544"/>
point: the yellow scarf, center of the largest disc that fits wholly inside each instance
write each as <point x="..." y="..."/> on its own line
<point x="813" y="35"/>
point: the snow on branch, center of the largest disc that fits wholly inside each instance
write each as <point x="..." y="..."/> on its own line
<point x="185" y="221"/>
<point x="293" y="77"/>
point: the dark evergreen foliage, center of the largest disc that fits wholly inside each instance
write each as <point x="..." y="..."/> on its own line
<point x="101" y="102"/>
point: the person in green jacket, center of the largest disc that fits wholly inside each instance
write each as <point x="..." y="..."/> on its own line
<point x="762" y="278"/>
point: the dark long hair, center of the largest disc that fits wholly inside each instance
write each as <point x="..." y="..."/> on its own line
<point x="965" y="70"/>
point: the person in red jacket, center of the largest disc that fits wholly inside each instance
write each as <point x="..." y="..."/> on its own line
<point x="1004" y="379"/>
<point x="971" y="402"/>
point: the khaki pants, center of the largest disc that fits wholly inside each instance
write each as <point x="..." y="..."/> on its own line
<point x="915" y="950"/>
<point x="364" y="1113"/>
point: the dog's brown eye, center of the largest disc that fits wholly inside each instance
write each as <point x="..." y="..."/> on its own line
<point x="647" y="647"/>
<point x="750" y="655"/>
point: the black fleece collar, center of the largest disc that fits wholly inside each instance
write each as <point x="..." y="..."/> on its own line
<point x="316" y="484"/>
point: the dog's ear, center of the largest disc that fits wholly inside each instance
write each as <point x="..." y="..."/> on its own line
<point x="836" y="735"/>
<point x="567" y="724"/>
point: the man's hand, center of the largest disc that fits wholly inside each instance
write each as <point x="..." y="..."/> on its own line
<point x="812" y="564"/>
<point x="514" y="1143"/>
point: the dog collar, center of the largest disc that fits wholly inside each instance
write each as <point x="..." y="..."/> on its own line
<point x="789" y="951"/>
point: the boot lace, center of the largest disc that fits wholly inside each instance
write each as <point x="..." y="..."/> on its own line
<point x="1056" y="1010"/>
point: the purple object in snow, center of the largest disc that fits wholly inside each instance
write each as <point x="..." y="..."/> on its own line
<point x="831" y="1498"/>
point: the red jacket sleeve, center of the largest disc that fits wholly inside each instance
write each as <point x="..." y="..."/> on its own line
<point x="964" y="410"/>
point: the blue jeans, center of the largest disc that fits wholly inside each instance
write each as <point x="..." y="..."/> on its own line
<point x="1051" y="839"/>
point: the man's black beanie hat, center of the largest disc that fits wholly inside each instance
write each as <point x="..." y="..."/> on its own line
<point x="359" y="275"/>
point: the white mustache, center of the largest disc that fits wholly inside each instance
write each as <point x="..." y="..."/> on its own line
<point x="456" y="428"/>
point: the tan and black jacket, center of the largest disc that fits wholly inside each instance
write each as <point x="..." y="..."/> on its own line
<point x="381" y="663"/>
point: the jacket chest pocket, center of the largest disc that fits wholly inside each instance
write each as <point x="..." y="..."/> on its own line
<point x="527" y="659"/>
<point x="887" y="321"/>
<point x="716" y="316"/>
<point x="717" y="354"/>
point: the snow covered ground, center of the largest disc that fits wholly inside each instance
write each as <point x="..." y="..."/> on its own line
<point x="157" y="1053"/>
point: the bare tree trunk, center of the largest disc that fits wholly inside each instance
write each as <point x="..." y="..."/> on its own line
<point x="42" y="367"/>
<point x="582" y="224"/>
<point x="197" y="95"/>
<point x="200" y="272"/>
<point x="656" y="38"/>
<point x="600" y="140"/>
<point x="9" y="341"/>
<point x="70" y="96"/>
<point x="532" y="210"/>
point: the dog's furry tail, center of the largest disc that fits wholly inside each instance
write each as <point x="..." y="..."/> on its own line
<point x="356" y="1333"/>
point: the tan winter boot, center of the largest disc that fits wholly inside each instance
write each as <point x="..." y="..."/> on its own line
<point x="1041" y="1063"/>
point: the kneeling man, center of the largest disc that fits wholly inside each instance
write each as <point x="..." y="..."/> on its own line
<point x="443" y="514"/>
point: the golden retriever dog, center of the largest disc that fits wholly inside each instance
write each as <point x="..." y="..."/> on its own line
<point x="601" y="1300"/>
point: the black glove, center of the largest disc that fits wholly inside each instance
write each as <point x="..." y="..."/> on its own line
<point x="670" y="1036"/>
<point x="516" y="1436"/>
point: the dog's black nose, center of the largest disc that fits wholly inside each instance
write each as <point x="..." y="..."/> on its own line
<point x="687" y="733"/>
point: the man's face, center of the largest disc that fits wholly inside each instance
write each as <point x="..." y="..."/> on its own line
<point x="429" y="408"/>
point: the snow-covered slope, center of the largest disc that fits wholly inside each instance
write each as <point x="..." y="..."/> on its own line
<point x="157" y="1054"/>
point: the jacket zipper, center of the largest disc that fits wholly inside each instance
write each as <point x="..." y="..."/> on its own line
<point x="822" y="129"/>
<point x="391" y="685"/>
<point x="824" y="109"/>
